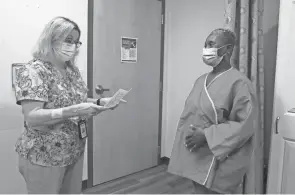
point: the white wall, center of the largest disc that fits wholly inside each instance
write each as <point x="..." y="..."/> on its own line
<point x="21" y="23"/>
<point x="188" y="23"/>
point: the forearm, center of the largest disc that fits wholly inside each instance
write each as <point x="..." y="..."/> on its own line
<point x="224" y="138"/>
<point x="99" y="101"/>
<point x="54" y="121"/>
<point x="43" y="117"/>
<point x="45" y="124"/>
<point x="91" y="100"/>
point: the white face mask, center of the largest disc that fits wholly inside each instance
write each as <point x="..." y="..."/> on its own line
<point x="210" y="56"/>
<point x="66" y="51"/>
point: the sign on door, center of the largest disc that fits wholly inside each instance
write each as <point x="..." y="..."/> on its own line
<point x="128" y="50"/>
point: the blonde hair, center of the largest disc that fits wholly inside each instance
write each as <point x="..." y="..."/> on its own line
<point x="56" y="30"/>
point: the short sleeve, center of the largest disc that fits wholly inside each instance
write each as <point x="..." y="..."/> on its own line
<point x="31" y="83"/>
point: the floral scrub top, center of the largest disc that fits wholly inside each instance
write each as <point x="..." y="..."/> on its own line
<point x="60" y="144"/>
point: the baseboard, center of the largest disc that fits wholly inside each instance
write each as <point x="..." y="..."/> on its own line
<point x="164" y="160"/>
<point x="84" y="185"/>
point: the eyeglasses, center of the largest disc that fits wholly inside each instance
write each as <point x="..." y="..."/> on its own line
<point x="78" y="44"/>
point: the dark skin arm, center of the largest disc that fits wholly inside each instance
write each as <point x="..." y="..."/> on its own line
<point x="195" y="139"/>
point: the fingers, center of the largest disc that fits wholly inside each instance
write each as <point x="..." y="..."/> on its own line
<point x="102" y="108"/>
<point x="190" y="145"/>
<point x="124" y="101"/>
<point x="99" y="108"/>
<point x="194" y="128"/>
<point x="193" y="149"/>
<point x="190" y="132"/>
<point x="113" y="108"/>
<point x="93" y="113"/>
<point x="95" y="110"/>
<point x="188" y="137"/>
<point x="187" y="140"/>
<point x="194" y="133"/>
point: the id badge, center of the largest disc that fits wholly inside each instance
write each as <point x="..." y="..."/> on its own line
<point x="82" y="129"/>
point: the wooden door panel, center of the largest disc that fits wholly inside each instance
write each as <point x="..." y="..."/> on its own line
<point x="126" y="140"/>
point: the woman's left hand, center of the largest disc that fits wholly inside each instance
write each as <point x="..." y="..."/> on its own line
<point x="195" y="139"/>
<point x="105" y="100"/>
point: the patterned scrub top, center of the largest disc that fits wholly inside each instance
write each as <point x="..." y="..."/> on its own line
<point x="59" y="145"/>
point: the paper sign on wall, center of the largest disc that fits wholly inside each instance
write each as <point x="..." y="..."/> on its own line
<point x="128" y="49"/>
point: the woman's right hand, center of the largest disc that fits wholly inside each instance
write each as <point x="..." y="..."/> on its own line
<point x="88" y="109"/>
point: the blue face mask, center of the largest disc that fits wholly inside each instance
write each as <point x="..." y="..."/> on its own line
<point x="210" y="56"/>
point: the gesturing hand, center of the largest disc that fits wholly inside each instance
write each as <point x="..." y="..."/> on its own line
<point x="195" y="139"/>
<point x="105" y="100"/>
<point x="88" y="109"/>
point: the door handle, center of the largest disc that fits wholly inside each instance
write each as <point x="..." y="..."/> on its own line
<point x="277" y="125"/>
<point x="100" y="90"/>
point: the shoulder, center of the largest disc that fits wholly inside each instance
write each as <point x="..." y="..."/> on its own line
<point x="242" y="85"/>
<point x="239" y="79"/>
<point x="236" y="73"/>
<point x="36" y="69"/>
<point x="201" y="79"/>
<point x="37" y="66"/>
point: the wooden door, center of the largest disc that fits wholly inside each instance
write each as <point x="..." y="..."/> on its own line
<point x="125" y="140"/>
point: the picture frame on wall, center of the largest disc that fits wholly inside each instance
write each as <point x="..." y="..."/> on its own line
<point x="14" y="69"/>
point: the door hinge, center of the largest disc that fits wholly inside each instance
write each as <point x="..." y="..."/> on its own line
<point x="162" y="19"/>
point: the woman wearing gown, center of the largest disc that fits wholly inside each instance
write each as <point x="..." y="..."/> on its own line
<point x="213" y="143"/>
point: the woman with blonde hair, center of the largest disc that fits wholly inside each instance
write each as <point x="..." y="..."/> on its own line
<point x="54" y="102"/>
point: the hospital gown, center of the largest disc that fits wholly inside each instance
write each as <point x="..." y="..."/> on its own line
<point x="226" y="111"/>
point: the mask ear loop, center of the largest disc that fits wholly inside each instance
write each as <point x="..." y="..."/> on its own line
<point x="222" y="47"/>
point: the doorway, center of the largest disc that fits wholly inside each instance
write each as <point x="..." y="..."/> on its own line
<point x="128" y="139"/>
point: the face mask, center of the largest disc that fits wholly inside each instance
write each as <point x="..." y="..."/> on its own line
<point x="210" y="56"/>
<point x="66" y="51"/>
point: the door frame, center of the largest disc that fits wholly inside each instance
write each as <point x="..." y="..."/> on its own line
<point x="89" y="182"/>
